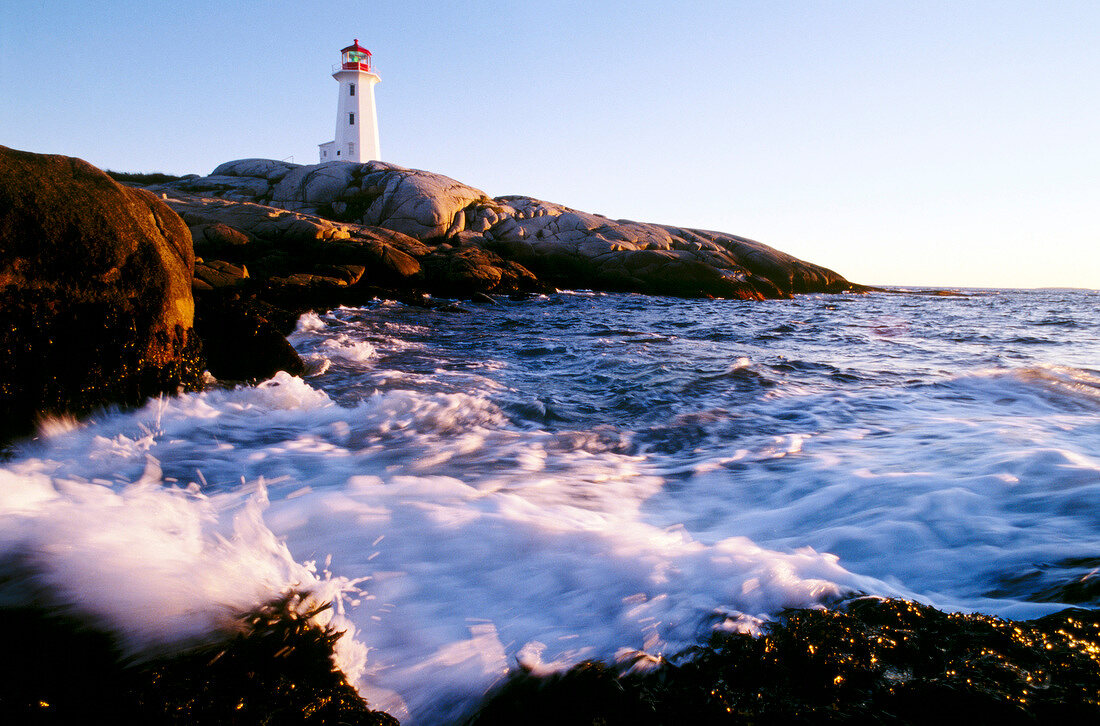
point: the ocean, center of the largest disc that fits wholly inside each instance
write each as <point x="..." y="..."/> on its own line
<point x="585" y="476"/>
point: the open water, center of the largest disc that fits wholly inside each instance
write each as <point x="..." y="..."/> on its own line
<point x="586" y="476"/>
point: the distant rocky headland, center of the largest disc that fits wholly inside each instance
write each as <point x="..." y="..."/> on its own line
<point x="113" y="293"/>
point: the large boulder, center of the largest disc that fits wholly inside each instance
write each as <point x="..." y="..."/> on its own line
<point x="95" y="292"/>
<point x="419" y="203"/>
<point x="260" y="168"/>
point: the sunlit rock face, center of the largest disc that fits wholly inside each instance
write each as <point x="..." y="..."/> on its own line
<point x="95" y="289"/>
<point x="283" y="247"/>
<point x="561" y="246"/>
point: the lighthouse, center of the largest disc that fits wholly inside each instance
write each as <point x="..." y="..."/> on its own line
<point x="356" y="117"/>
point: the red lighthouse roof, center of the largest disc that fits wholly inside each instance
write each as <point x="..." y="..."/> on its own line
<point x="355" y="47"/>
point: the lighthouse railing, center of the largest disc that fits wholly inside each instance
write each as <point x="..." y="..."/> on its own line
<point x="352" y="67"/>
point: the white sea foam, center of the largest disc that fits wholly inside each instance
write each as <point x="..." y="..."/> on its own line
<point x="467" y="581"/>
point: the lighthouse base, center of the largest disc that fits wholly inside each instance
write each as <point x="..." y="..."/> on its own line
<point x="327" y="152"/>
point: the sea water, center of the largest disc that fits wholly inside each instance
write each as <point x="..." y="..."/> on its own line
<point x="583" y="475"/>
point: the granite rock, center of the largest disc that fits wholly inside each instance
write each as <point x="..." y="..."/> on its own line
<point x="563" y="247"/>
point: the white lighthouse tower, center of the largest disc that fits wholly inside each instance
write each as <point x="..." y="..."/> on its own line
<point x="356" y="117"/>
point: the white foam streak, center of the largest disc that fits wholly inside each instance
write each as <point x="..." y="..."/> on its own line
<point x="553" y="578"/>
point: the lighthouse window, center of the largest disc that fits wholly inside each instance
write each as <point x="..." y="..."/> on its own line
<point x="351" y="119"/>
<point x="351" y="87"/>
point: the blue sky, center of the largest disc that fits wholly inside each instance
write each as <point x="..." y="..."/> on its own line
<point x="911" y="143"/>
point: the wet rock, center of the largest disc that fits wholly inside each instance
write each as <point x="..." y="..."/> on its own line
<point x="383" y="263"/>
<point x="350" y="274"/>
<point x="95" y="289"/>
<point x="472" y="269"/>
<point x="307" y="280"/>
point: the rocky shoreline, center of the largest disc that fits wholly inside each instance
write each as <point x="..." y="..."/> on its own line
<point x="112" y="294"/>
<point x="273" y="240"/>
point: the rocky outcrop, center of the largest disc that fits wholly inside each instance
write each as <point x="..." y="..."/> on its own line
<point x="95" y="292"/>
<point x="258" y="267"/>
<point x="561" y="246"/>
<point x="417" y="203"/>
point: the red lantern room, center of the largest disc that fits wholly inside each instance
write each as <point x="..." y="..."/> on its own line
<point x="355" y="57"/>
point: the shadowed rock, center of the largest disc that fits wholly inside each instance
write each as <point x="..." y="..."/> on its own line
<point x="276" y="670"/>
<point x="218" y="273"/>
<point x="241" y="343"/>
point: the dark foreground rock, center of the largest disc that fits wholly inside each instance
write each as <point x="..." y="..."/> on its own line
<point x="475" y="243"/>
<point x="873" y="662"/>
<point x="95" y="292"/>
<point x="868" y="662"/>
<point x="277" y="670"/>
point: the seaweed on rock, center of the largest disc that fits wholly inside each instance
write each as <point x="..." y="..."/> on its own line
<point x="872" y="661"/>
<point x="277" y="669"/>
